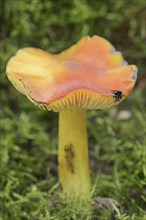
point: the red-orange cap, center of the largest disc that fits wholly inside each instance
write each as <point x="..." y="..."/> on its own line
<point x="90" y="74"/>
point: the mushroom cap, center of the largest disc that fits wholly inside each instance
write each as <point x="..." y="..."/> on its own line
<point x="90" y="74"/>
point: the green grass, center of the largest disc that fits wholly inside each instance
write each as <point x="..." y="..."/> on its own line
<point x="29" y="177"/>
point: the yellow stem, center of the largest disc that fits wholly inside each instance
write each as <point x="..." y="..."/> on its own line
<point x="73" y="152"/>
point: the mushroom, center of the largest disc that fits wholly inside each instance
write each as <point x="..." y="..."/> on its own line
<point x="89" y="75"/>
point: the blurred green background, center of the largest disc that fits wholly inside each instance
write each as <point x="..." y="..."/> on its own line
<point x="29" y="134"/>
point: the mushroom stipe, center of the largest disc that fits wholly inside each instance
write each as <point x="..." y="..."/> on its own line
<point x="89" y="75"/>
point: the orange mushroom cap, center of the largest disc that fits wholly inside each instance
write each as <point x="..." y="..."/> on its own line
<point x="90" y="74"/>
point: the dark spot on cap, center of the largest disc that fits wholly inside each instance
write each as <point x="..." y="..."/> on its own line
<point x="117" y="95"/>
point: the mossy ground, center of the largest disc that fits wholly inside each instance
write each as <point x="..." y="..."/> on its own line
<point x="29" y="179"/>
